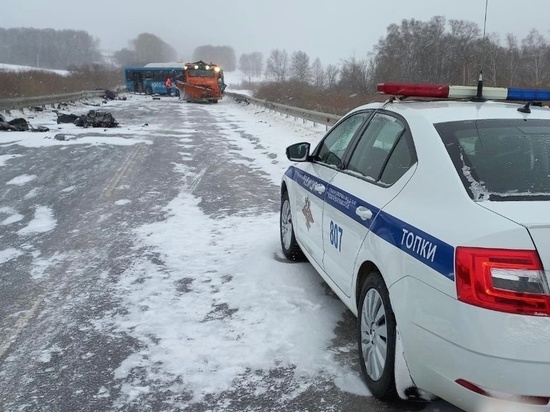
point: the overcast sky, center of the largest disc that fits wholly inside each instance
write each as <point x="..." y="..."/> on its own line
<point x="329" y="29"/>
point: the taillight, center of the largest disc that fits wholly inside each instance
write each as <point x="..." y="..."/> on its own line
<point x="504" y="280"/>
<point x="527" y="399"/>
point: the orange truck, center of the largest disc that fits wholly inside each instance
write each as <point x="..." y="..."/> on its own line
<point x="201" y="82"/>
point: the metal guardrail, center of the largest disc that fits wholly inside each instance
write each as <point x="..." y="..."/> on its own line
<point x="316" y="117"/>
<point x="24" y="102"/>
<point x="326" y="119"/>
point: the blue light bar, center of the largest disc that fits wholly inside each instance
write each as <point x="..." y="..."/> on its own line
<point x="528" y="94"/>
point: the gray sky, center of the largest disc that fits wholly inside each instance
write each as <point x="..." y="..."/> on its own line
<point x="328" y="29"/>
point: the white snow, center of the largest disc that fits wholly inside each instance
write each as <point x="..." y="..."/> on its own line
<point x="222" y="306"/>
<point x="21" y="180"/>
<point x="17" y="68"/>
<point x="126" y="135"/>
<point x="16" y="217"/>
<point x="32" y="193"/>
<point x="41" y="266"/>
<point x="43" y="221"/>
<point x="280" y="315"/>
<point x="9" y="254"/>
<point x="5" y="158"/>
<point x="13" y="217"/>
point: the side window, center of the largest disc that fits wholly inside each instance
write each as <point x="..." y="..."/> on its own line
<point x="376" y="145"/>
<point x="401" y="160"/>
<point x="334" y="145"/>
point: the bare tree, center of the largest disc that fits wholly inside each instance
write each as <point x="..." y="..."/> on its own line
<point x="299" y="67"/>
<point x="318" y="74"/>
<point x="491" y="55"/>
<point x="354" y="76"/>
<point x="257" y="63"/>
<point x="464" y="35"/>
<point x="534" y="50"/>
<point x="331" y="73"/>
<point x="251" y="64"/>
<point x="513" y="57"/>
<point x="277" y="65"/>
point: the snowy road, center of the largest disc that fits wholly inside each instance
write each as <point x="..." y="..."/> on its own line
<point x="140" y="270"/>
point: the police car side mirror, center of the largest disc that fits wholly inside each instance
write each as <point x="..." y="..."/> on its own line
<point x="298" y="152"/>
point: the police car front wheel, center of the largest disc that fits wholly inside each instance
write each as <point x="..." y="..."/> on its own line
<point x="290" y="247"/>
<point x="376" y="330"/>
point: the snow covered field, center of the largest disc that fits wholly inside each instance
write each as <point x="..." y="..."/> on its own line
<point x="17" y="68"/>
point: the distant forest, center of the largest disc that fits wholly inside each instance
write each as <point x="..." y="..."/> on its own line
<point x="66" y="49"/>
<point x="434" y="51"/>
<point x="47" y="48"/>
<point x="438" y="51"/>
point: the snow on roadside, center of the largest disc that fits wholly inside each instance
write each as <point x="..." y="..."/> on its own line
<point x="222" y="308"/>
<point x="210" y="303"/>
<point x="126" y="135"/>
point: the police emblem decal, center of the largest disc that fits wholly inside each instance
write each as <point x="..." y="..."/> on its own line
<point x="306" y="210"/>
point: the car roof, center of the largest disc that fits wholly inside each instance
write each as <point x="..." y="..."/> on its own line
<point x="441" y="111"/>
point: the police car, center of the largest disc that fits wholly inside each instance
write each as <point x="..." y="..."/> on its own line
<point x="431" y="221"/>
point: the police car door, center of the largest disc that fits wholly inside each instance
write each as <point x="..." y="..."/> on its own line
<point x="312" y="181"/>
<point x="373" y="175"/>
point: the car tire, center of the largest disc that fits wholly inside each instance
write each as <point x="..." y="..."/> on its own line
<point x="149" y="90"/>
<point x="376" y="334"/>
<point x="290" y="247"/>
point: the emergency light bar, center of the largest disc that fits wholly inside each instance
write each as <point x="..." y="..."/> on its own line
<point x="461" y="92"/>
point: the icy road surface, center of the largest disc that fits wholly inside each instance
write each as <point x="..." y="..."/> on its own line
<point x="140" y="269"/>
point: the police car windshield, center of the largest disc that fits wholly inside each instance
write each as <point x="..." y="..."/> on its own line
<point x="500" y="160"/>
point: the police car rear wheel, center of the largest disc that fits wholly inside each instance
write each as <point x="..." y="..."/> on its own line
<point x="376" y="328"/>
<point x="290" y="247"/>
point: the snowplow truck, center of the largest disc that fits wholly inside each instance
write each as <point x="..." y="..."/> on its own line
<point x="201" y="82"/>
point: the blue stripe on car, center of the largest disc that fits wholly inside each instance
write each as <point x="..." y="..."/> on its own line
<point x="422" y="246"/>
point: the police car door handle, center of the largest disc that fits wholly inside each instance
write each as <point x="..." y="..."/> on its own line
<point x="319" y="188"/>
<point x="363" y="213"/>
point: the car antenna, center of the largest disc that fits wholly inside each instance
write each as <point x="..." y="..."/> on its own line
<point x="479" y="96"/>
<point x="526" y="108"/>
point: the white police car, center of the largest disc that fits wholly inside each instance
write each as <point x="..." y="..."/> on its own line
<point x="431" y="221"/>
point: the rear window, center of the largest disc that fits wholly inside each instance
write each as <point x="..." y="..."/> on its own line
<point x="500" y="159"/>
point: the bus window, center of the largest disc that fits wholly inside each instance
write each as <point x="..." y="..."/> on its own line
<point x="151" y="79"/>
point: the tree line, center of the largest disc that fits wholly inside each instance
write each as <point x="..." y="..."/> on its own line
<point x="66" y="49"/>
<point x="48" y="48"/>
<point x="435" y="51"/>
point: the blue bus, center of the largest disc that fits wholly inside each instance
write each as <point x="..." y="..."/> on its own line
<point x="151" y="78"/>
